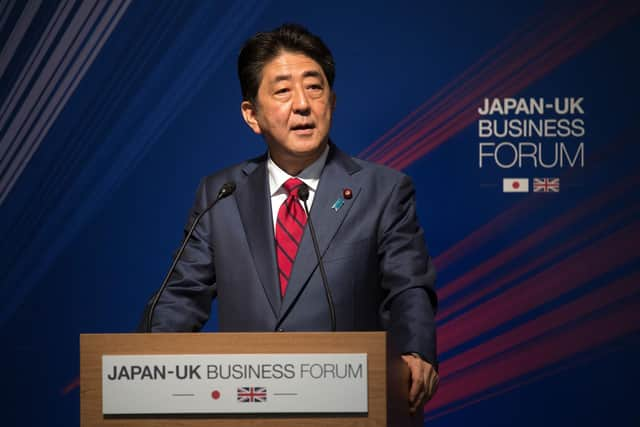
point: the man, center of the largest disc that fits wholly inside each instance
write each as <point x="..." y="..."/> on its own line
<point x="253" y="250"/>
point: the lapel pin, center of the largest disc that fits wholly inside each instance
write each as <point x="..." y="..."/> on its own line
<point x="338" y="204"/>
<point x="347" y="193"/>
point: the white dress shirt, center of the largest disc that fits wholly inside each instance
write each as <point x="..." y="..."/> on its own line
<point x="277" y="177"/>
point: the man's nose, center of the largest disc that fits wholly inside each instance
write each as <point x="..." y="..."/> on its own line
<point x="301" y="102"/>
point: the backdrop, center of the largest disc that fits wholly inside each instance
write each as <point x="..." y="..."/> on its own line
<point x="111" y="111"/>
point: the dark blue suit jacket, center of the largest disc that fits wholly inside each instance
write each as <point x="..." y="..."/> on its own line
<point x="378" y="269"/>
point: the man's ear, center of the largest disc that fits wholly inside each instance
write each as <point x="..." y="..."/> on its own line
<point x="248" y="111"/>
<point x="333" y="101"/>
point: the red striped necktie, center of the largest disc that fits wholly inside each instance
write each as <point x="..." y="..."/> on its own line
<point x="289" y="229"/>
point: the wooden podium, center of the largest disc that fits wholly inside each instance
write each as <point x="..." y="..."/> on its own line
<point x="387" y="376"/>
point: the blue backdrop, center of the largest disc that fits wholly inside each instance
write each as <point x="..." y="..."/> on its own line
<point x="111" y="111"/>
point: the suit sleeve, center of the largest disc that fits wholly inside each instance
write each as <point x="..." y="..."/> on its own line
<point x="407" y="275"/>
<point x="186" y="302"/>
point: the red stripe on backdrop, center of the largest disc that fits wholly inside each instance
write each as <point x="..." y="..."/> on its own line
<point x="548" y="256"/>
<point x="583" y="306"/>
<point x="71" y="386"/>
<point x="539" y="354"/>
<point x="512" y="385"/>
<point x="593" y="261"/>
<point x="483" y="234"/>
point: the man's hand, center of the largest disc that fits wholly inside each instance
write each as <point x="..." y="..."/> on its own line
<point x="424" y="381"/>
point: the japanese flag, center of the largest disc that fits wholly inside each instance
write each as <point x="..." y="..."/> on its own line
<point x="515" y="185"/>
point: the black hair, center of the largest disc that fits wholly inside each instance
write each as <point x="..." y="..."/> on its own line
<point x="265" y="46"/>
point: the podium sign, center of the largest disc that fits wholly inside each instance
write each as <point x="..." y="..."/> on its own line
<point x="125" y="380"/>
<point x="234" y="383"/>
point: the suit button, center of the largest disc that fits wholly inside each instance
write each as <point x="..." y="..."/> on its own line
<point x="280" y="330"/>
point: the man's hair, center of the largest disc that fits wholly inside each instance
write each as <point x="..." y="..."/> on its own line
<point x="265" y="46"/>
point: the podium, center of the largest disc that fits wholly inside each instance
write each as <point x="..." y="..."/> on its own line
<point x="387" y="376"/>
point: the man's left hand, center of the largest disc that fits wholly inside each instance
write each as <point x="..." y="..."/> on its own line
<point x="424" y="381"/>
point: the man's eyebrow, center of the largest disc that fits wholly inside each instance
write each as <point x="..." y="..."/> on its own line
<point x="312" y="73"/>
<point x="309" y="73"/>
<point x="282" y="77"/>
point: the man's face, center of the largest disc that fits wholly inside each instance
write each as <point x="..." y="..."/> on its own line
<point x="292" y="110"/>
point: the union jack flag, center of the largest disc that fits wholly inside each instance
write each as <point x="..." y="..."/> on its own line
<point x="252" y="394"/>
<point x="546" y="185"/>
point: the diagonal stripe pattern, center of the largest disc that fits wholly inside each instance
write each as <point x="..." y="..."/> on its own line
<point x="289" y="230"/>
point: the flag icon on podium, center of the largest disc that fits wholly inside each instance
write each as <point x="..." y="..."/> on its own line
<point x="515" y="185"/>
<point x="252" y="394"/>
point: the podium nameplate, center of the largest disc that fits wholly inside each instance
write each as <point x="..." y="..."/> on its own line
<point x="234" y="383"/>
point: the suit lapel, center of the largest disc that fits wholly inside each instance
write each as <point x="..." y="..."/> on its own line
<point x="336" y="176"/>
<point x="253" y="199"/>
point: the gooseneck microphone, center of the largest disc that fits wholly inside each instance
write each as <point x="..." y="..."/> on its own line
<point x="303" y="194"/>
<point x="226" y="190"/>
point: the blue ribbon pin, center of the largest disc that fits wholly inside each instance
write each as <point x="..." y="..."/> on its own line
<point x="338" y="204"/>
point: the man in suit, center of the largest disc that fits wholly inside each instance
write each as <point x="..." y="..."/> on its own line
<point x="254" y="252"/>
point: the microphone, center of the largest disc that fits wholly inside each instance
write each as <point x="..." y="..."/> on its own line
<point x="303" y="194"/>
<point x="226" y="190"/>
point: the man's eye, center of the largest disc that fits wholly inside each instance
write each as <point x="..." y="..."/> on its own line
<point x="315" y="87"/>
<point x="282" y="90"/>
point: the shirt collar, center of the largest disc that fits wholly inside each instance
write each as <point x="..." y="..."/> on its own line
<point x="310" y="175"/>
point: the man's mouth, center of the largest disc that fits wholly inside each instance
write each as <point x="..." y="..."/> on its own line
<point x="303" y="129"/>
